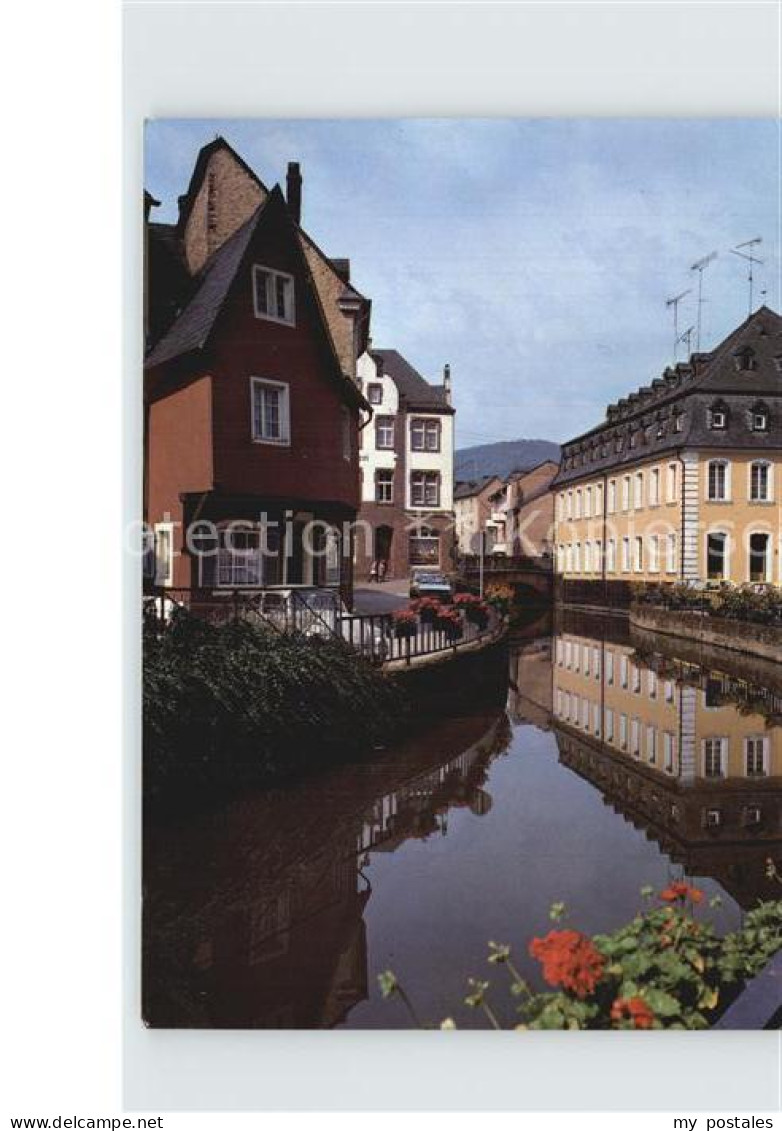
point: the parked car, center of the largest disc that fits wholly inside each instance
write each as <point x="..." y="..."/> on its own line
<point x="430" y="583"/>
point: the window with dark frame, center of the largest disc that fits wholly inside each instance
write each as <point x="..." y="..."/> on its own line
<point x="424" y="435"/>
<point x="384" y="432"/>
<point x="425" y="488"/>
<point x="384" y="485"/>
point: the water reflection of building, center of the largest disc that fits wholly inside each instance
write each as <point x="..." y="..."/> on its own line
<point x="679" y="751"/>
<point x="253" y="918"/>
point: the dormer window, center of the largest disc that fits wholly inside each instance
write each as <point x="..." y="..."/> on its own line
<point x="273" y="295"/>
<point x="374" y="392"/>
<point x="745" y="359"/>
<point x="758" y="417"/>
<point x="718" y="416"/>
<point x="678" y="421"/>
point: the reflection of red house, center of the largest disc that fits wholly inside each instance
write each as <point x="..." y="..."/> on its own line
<point x="252" y="409"/>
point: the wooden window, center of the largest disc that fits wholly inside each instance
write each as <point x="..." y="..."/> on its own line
<point x="384" y="485"/>
<point x="425" y="488"/>
<point x="273" y="295"/>
<point x="384" y="432"/>
<point x="714" y="750"/>
<point x="270" y="411"/>
<point x="718" y="481"/>
<point x="424" y="548"/>
<point x="716" y="556"/>
<point x="760" y="480"/>
<point x="425" y="435"/>
<point x="638" y="491"/>
<point x="654" y="487"/>
<point x="756" y="757"/>
<point x="670" y="554"/>
<point x="672" y="482"/>
<point x="759" y="557"/>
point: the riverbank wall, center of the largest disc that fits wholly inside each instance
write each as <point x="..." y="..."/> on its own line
<point x="761" y="641"/>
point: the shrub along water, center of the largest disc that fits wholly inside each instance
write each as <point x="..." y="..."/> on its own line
<point x="233" y="704"/>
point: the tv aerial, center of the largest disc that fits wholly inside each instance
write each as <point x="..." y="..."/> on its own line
<point x="674" y="302"/>
<point x="700" y="266"/>
<point x="751" y="259"/>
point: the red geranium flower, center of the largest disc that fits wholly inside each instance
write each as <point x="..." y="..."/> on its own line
<point x="569" y="960"/>
<point x="632" y="1009"/>
<point x="679" y="891"/>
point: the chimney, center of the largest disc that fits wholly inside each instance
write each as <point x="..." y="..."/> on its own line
<point x="447" y="382"/>
<point x="293" y="190"/>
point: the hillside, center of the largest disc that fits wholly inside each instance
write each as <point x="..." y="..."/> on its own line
<point x="502" y="458"/>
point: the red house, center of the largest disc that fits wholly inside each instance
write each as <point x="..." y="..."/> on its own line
<point x="251" y="414"/>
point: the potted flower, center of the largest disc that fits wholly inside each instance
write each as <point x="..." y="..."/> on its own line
<point x="405" y="623"/>
<point x="428" y="609"/>
<point x="449" y="622"/>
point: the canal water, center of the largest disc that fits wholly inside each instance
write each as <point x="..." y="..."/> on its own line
<point x="611" y="767"/>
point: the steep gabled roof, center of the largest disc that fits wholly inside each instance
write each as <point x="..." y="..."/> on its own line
<point x="192" y="329"/>
<point x="413" y="388"/>
<point x="199" y="172"/>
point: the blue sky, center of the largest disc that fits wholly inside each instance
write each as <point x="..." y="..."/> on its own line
<point x="535" y="256"/>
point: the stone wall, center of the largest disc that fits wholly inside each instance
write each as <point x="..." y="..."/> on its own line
<point x="747" y="637"/>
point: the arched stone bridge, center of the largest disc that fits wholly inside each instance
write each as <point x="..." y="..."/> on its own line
<point x="531" y="578"/>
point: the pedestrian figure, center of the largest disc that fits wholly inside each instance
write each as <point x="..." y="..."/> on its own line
<point x="382" y="566"/>
<point x="373" y="572"/>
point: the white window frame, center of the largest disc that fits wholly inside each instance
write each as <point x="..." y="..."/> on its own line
<point x="611" y="497"/>
<point x="672" y="482"/>
<point x="284" y="439"/>
<point x="166" y="580"/>
<point x="726" y="555"/>
<point x="654" y="554"/>
<point x="671" y="553"/>
<point x="769" y="555"/>
<point x="769" y="469"/>
<point x="764" y="751"/>
<point x="638" y="554"/>
<point x="626" y="493"/>
<point x="726" y="496"/>
<point x="707" y="748"/>
<point x="272" y="274"/>
<point x="638" y="491"/>
<point x="651" y="744"/>
<point x="669" y="752"/>
<point x="654" y="487"/>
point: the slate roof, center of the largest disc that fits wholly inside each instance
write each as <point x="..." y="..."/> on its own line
<point x="471" y="487"/>
<point x="416" y="391"/>
<point x="673" y="412"/>
<point x="192" y="328"/>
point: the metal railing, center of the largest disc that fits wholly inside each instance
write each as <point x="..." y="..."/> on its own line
<point x="506" y="563"/>
<point x="374" y="635"/>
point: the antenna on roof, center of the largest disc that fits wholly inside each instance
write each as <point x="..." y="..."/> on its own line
<point x="751" y="258"/>
<point x="674" y="302"/>
<point x="700" y="266"/>
<point x="686" y="338"/>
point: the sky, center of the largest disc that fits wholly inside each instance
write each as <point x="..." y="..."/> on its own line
<point x="534" y="256"/>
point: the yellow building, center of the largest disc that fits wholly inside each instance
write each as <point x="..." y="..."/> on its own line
<point x="671" y="746"/>
<point x="683" y="479"/>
